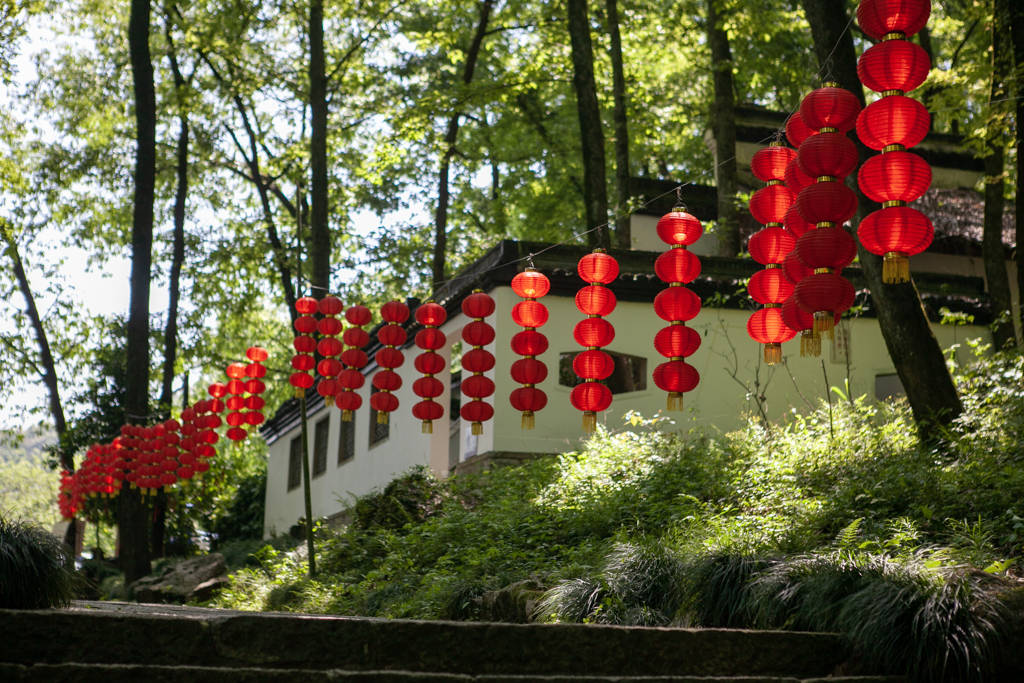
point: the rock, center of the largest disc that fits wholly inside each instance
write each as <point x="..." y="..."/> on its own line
<point x="515" y="603"/>
<point x="177" y="582"/>
<point x="207" y="589"/>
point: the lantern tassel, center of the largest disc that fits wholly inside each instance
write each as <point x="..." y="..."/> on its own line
<point x="478" y="428"/>
<point x="772" y="353"/>
<point x="675" y="401"/>
<point x="589" y="421"/>
<point x="824" y="321"/>
<point x="382" y="418"/>
<point x="810" y="344"/>
<point x="527" y="421"/>
<point x="299" y="392"/>
<point x="427" y="427"/>
<point x="328" y="401"/>
<point x="346" y="415"/>
<point x="895" y="268"/>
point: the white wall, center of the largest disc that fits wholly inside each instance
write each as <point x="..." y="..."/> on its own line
<point x="729" y="363"/>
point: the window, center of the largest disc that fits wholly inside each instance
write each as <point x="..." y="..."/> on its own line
<point x="346" y="441"/>
<point x="295" y="463"/>
<point x="888" y="386"/>
<point x="320" y="434"/>
<point x="630" y="373"/>
<point x="378" y="431"/>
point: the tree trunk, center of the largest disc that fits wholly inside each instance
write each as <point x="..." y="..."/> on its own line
<point x="992" y="250"/>
<point x="451" y="135"/>
<point x="49" y="370"/>
<point x="723" y="126"/>
<point x="319" y="231"/>
<point x="1016" y="49"/>
<point x="621" y="129"/>
<point x="595" y="192"/>
<point x="132" y="517"/>
<point x="915" y="352"/>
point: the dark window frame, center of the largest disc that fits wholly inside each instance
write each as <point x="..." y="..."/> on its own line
<point x="346" y="441"/>
<point x="295" y="463"/>
<point x="625" y="363"/>
<point x="321" y="437"/>
<point x="378" y="432"/>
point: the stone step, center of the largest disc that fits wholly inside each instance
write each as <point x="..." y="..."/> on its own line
<point x="71" y="672"/>
<point x="215" y="638"/>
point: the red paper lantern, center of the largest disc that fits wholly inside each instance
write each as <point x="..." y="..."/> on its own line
<point x="769" y="163"/>
<point x="429" y="364"/>
<point x="330" y="305"/>
<point x="828" y="154"/>
<point x="304" y="343"/>
<point x="893" y="120"/>
<point x="595" y="300"/>
<point x="894" y="176"/>
<point x="676" y="304"/>
<point x="593" y="332"/>
<point x="827" y="248"/>
<point x="896" y="233"/>
<point x="677" y="228"/>
<point x="388" y="358"/>
<point x="355" y="337"/>
<point x="795" y="269"/>
<point x="593" y="364"/>
<point x="879" y="18"/>
<point x="307" y="305"/>
<point x="305" y="324"/>
<point x="828" y="202"/>
<point x="770" y="245"/>
<point x="796" y="130"/>
<point x="828" y="108"/>
<point x="358" y="315"/>
<point x="795" y="224"/>
<point x="676" y="341"/>
<point x="769" y="204"/>
<point x="529" y="314"/>
<point x="767" y="327"/>
<point x="770" y="286"/>
<point x="598" y="267"/>
<point x="796" y="179"/>
<point x="676" y="377"/>
<point x="235" y="370"/>
<point x="329" y="346"/>
<point x="824" y="294"/>
<point x="677" y="265"/>
<point x="893" y="65"/>
<point x="477" y="334"/>
<point x="428" y="387"/>
<point x="531" y="284"/>
<point x="591" y="397"/>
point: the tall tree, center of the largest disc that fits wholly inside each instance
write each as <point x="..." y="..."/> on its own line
<point x="319" y="229"/>
<point x="595" y="191"/>
<point x="131" y="513"/>
<point x="620" y="129"/>
<point x="451" y="136"/>
<point x="723" y="127"/>
<point x="993" y="252"/>
<point x="915" y="352"/>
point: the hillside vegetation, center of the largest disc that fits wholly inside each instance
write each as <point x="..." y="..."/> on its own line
<point x="814" y="524"/>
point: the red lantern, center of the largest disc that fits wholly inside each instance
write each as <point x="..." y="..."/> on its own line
<point x="599" y="269"/>
<point x="825" y="295"/>
<point x="796" y="179"/>
<point x="893" y="120"/>
<point x="391" y="335"/>
<point x="771" y="244"/>
<point x="893" y="65"/>
<point x="530" y="313"/>
<point x="829" y="108"/>
<point x="769" y="204"/>
<point x="354" y="359"/>
<point x="770" y="286"/>
<point x="676" y="304"/>
<point x="307" y="305"/>
<point x="676" y="377"/>
<point x="769" y="163"/>
<point x="879" y="18"/>
<point x="677" y="265"/>
<point x="827" y="202"/>
<point x="477" y="334"/>
<point x="428" y="387"/>
<point x="827" y="248"/>
<point x="828" y="154"/>
<point x="796" y="130"/>
<point x="896" y="233"/>
<point x="795" y="269"/>
<point x="678" y="228"/>
<point x="676" y="341"/>
<point x="894" y="176"/>
<point x="257" y="354"/>
<point x="767" y="327"/>
<point x="795" y="223"/>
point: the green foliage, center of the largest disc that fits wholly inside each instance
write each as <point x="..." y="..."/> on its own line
<point x="409" y="499"/>
<point x="243" y="517"/>
<point x="35" y="570"/>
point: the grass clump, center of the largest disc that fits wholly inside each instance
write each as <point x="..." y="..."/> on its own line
<point x="35" y="569"/>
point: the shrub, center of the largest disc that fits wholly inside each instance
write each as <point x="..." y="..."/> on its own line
<point x="35" y="570"/>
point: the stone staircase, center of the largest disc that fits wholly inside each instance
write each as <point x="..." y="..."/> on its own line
<point x="113" y="642"/>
